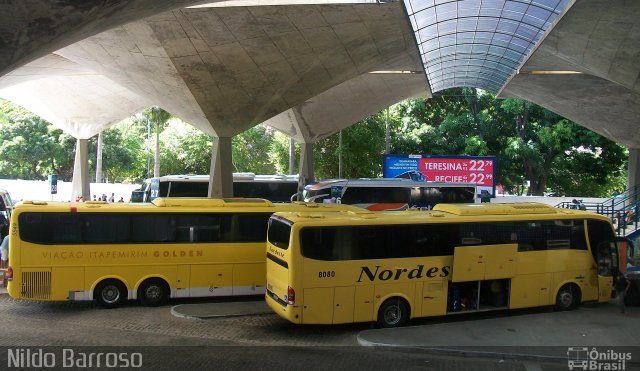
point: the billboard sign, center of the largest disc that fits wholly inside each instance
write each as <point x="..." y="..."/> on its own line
<point x="480" y="170"/>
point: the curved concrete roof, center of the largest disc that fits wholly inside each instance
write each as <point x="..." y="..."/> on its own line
<point x="30" y="29"/>
<point x="600" y="39"/>
<point x="225" y="69"/>
<point x="341" y="106"/>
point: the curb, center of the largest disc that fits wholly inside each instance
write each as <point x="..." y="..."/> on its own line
<point x="466" y="353"/>
<point x="176" y="313"/>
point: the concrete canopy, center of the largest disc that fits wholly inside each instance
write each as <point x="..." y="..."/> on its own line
<point x="71" y="97"/>
<point x="225" y="70"/>
<point x="600" y="39"/>
<point x="343" y="105"/>
<point x="30" y="29"/>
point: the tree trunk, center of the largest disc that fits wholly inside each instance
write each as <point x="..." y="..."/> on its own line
<point x="292" y="156"/>
<point x="99" y="159"/>
<point x="156" y="157"/>
<point x="387" y="133"/>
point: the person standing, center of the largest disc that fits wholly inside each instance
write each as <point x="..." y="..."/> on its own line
<point x="622" y="286"/>
<point x="4" y="252"/>
<point x="112" y="198"/>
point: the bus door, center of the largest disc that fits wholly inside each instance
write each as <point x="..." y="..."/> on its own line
<point x="604" y="251"/>
<point x="607" y="268"/>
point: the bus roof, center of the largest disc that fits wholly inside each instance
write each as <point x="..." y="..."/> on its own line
<point x="165" y="204"/>
<point x="237" y="177"/>
<point x="382" y="182"/>
<point x="441" y="212"/>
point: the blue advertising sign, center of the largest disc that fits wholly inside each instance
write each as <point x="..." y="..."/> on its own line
<point x="479" y="170"/>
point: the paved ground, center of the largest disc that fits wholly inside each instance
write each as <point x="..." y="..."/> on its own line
<point x="265" y="341"/>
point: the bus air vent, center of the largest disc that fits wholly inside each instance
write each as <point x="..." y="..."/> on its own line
<point x="36" y="285"/>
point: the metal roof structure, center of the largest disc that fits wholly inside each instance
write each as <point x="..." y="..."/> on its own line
<point x="478" y="43"/>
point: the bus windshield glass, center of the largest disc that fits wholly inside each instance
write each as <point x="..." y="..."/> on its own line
<point x="279" y="233"/>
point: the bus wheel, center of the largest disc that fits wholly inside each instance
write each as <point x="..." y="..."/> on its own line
<point x="153" y="292"/>
<point x="392" y="313"/>
<point x="110" y="293"/>
<point x="568" y="297"/>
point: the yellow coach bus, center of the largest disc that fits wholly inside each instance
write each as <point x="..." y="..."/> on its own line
<point x="177" y="247"/>
<point x="392" y="266"/>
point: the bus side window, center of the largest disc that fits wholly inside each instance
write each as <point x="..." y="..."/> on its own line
<point x="147" y="228"/>
<point x="317" y="243"/>
<point x="67" y="230"/>
<point x="245" y="227"/>
<point x="344" y="246"/>
<point x="106" y="228"/>
<point x="374" y="242"/>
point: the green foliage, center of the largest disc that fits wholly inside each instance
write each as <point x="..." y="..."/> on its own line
<point x="530" y="143"/>
<point x="251" y="151"/>
<point x="185" y="149"/>
<point x="30" y="148"/>
<point x="362" y="150"/>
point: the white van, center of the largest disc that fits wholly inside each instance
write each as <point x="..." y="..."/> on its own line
<point x="389" y="193"/>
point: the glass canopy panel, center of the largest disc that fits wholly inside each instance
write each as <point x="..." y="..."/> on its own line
<point x="478" y="43"/>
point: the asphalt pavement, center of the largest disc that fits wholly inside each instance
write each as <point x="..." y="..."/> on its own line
<point x="540" y="334"/>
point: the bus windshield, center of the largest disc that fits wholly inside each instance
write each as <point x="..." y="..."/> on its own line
<point x="279" y="233"/>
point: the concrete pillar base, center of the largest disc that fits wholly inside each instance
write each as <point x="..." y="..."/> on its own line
<point x="221" y="173"/>
<point x="306" y="167"/>
<point x="80" y="186"/>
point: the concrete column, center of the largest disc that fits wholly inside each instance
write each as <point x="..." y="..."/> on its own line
<point x="221" y="172"/>
<point x="306" y="167"/>
<point x="81" y="182"/>
<point x="634" y="168"/>
<point x="99" y="159"/>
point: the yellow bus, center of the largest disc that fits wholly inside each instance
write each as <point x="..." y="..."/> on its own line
<point x="389" y="267"/>
<point x="111" y="252"/>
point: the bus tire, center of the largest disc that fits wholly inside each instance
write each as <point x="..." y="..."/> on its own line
<point x="153" y="292"/>
<point x="568" y="297"/>
<point x="392" y="313"/>
<point x="110" y="293"/>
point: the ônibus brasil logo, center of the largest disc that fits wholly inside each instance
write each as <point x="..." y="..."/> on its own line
<point x="583" y="358"/>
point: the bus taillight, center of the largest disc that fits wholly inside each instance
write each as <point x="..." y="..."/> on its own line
<point x="291" y="295"/>
<point x="9" y="274"/>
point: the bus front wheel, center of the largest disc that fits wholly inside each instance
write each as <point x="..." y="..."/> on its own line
<point x="110" y="293"/>
<point x="568" y="297"/>
<point x="392" y="313"/>
<point x="153" y="292"/>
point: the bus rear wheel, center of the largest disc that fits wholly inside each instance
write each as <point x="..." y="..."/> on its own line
<point x="392" y="313"/>
<point x="568" y="297"/>
<point x="110" y="293"/>
<point x="153" y="292"/>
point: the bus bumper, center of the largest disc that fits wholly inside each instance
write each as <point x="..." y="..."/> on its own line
<point x="291" y="313"/>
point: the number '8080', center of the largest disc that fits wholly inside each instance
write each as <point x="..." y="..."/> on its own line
<point x="326" y="274"/>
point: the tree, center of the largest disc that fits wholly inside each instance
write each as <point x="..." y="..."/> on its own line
<point x="158" y="118"/>
<point x="31" y="148"/>
<point x="363" y="144"/>
<point x="185" y="149"/>
<point x="120" y="158"/>
<point x="526" y="139"/>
